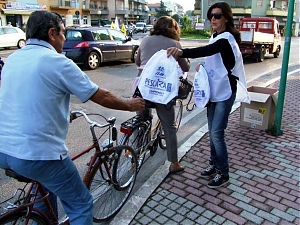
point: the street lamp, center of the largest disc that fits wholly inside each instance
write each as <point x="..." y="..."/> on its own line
<point x="137" y="18"/>
<point x="99" y="15"/>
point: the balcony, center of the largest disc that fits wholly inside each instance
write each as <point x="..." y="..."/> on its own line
<point x="60" y="4"/>
<point x="277" y="12"/>
<point x="241" y="10"/>
<point x="95" y="8"/>
<point x="120" y="11"/>
<point x="140" y="1"/>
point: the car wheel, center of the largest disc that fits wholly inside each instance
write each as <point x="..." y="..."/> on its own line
<point x="21" y="43"/>
<point x="134" y="53"/>
<point x="92" y="61"/>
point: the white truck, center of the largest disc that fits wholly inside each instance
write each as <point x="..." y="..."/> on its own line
<point x="259" y="37"/>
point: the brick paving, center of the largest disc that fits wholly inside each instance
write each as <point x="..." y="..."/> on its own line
<point x="264" y="177"/>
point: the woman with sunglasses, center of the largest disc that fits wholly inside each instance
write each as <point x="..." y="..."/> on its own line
<point x="224" y="65"/>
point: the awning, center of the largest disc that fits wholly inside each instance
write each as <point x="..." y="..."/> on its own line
<point x="19" y="12"/>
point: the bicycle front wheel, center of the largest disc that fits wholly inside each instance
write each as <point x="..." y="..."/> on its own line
<point x="110" y="189"/>
<point x="22" y="218"/>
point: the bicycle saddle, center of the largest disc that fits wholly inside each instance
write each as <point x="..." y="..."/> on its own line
<point x="15" y="175"/>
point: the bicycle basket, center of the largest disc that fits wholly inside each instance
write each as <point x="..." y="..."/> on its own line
<point x="185" y="88"/>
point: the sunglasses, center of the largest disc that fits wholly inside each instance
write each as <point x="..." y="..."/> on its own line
<point x="216" y="15"/>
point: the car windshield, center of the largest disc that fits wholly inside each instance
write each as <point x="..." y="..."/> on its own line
<point x="139" y="25"/>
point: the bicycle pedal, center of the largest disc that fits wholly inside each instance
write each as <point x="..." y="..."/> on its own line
<point x="153" y="148"/>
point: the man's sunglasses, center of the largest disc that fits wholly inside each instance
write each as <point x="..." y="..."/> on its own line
<point x="216" y="15"/>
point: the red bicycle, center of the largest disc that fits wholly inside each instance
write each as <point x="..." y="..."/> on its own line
<point x="110" y="177"/>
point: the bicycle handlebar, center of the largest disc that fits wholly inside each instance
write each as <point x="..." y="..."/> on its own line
<point x="78" y="113"/>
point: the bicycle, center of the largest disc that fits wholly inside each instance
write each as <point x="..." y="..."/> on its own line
<point x="138" y="131"/>
<point x="110" y="177"/>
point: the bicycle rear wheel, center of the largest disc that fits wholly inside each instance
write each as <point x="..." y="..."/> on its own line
<point x="137" y="141"/>
<point x="125" y="168"/>
<point x="22" y="218"/>
<point x="178" y="116"/>
<point x="109" y="195"/>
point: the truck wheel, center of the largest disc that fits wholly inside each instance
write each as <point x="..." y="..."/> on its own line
<point x="276" y="54"/>
<point x="261" y="54"/>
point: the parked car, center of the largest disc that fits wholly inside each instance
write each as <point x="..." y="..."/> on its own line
<point x="94" y="45"/>
<point x="149" y="27"/>
<point x="141" y="27"/>
<point x="12" y="37"/>
<point x="1" y="66"/>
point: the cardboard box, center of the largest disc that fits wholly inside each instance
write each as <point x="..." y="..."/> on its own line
<point x="260" y="113"/>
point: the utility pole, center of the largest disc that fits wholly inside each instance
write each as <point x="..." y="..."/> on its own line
<point x="284" y="69"/>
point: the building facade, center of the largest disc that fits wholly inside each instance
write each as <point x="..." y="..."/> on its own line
<point x="90" y="12"/>
<point x="253" y="8"/>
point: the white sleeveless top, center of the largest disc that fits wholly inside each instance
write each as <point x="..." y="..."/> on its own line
<point x="220" y="89"/>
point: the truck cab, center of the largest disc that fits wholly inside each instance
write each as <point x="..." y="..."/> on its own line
<point x="259" y="37"/>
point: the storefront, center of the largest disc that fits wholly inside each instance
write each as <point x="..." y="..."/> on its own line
<point x="17" y="13"/>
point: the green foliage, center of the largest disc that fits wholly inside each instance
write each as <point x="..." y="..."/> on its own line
<point x="162" y="11"/>
<point x="193" y="33"/>
<point x="186" y="22"/>
<point x="176" y="17"/>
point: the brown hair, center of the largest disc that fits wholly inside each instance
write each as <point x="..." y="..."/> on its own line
<point x="167" y="27"/>
<point x="227" y="13"/>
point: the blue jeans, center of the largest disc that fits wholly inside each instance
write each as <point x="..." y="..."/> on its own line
<point x="217" y="116"/>
<point x="62" y="179"/>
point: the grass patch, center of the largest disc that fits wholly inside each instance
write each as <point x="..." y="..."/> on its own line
<point x="195" y="34"/>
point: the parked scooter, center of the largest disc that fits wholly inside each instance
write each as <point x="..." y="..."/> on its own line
<point x="131" y="30"/>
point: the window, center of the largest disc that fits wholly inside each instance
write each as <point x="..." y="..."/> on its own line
<point x="118" y="36"/>
<point x="67" y="3"/>
<point x="9" y="30"/>
<point x="85" y="20"/>
<point x="249" y="25"/>
<point x="265" y="25"/>
<point x="73" y="35"/>
<point x="100" y="35"/>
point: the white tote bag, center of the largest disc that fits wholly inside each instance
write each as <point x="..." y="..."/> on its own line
<point x="159" y="80"/>
<point x="201" y="88"/>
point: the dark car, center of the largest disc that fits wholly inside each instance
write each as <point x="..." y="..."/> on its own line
<point x="1" y="66"/>
<point x="90" y="46"/>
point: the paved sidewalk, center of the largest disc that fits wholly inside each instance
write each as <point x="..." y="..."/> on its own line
<point x="264" y="183"/>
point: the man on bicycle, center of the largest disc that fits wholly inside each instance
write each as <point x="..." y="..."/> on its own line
<point x="37" y="82"/>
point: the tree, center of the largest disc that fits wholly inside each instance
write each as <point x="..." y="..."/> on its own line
<point x="162" y="10"/>
<point x="176" y="17"/>
<point x="186" y="22"/>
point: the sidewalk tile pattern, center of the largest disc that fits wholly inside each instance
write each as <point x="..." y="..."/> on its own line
<point x="264" y="183"/>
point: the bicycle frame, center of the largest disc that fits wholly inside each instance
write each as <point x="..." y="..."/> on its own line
<point x="26" y="203"/>
<point x="35" y="189"/>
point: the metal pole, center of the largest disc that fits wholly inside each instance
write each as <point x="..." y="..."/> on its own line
<point x="284" y="69"/>
<point x="202" y="10"/>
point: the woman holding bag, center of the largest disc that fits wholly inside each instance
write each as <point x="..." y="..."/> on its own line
<point x="224" y="66"/>
<point x="165" y="34"/>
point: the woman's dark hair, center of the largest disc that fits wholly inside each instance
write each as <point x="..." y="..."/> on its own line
<point x="167" y="27"/>
<point x="40" y="22"/>
<point x="227" y="13"/>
